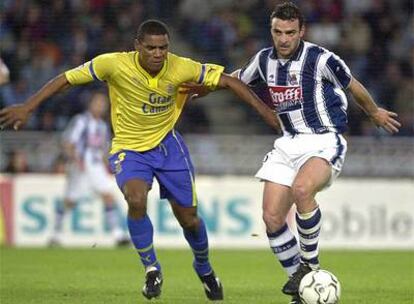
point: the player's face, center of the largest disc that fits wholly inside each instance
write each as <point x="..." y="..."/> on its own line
<point x="153" y="50"/>
<point x="286" y="36"/>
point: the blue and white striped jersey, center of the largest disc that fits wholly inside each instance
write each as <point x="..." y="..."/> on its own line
<point x="90" y="136"/>
<point x="306" y="90"/>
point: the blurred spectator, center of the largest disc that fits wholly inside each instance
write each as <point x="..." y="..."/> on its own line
<point x="326" y="33"/>
<point x="194" y="118"/>
<point x="48" y="122"/>
<point x="17" y="162"/>
<point x="15" y="93"/>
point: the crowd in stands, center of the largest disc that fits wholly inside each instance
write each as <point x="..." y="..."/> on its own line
<point x="39" y="39"/>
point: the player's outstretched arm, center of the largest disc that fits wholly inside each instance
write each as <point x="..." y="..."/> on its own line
<point x="194" y="90"/>
<point x="379" y="116"/>
<point x="243" y="91"/>
<point x="18" y="115"/>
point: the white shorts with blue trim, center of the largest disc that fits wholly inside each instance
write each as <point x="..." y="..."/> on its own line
<point x="92" y="179"/>
<point x="282" y="164"/>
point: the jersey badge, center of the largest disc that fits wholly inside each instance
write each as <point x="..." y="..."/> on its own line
<point x="170" y="89"/>
<point x="293" y="80"/>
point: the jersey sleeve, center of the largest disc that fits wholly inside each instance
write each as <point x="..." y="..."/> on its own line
<point x="210" y="75"/>
<point x="100" y="68"/>
<point x="250" y="73"/>
<point x="206" y="74"/>
<point x="336" y="71"/>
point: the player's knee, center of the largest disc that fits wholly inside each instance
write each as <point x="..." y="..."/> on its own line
<point x="189" y="222"/>
<point x="302" y="192"/>
<point x="137" y="204"/>
<point x="273" y="221"/>
<point x="69" y="204"/>
<point x="108" y="199"/>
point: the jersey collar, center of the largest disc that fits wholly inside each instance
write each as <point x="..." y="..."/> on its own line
<point x="152" y="81"/>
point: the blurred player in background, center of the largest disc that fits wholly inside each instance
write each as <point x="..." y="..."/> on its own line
<point x="306" y="84"/>
<point x="145" y="105"/>
<point x="17" y="162"/>
<point x="86" y="144"/>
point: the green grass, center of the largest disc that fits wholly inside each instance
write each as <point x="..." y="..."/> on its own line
<point x="253" y="277"/>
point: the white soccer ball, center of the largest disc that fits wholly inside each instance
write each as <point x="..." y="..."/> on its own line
<point x="319" y="287"/>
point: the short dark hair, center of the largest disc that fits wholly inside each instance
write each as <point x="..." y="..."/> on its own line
<point x="152" y="27"/>
<point x="288" y="11"/>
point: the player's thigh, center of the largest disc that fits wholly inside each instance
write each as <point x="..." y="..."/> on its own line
<point x="136" y="193"/>
<point x="77" y="185"/>
<point x="101" y="181"/>
<point x="322" y="155"/>
<point x="130" y="165"/>
<point x="176" y="175"/>
<point x="313" y="176"/>
<point x="277" y="199"/>
<point x="178" y="186"/>
<point x="277" y="168"/>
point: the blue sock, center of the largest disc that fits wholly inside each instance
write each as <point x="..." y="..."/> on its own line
<point x="198" y="242"/>
<point x="142" y="232"/>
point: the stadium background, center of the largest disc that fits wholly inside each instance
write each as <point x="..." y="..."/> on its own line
<point x="369" y="207"/>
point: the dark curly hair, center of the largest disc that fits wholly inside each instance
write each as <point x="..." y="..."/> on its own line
<point x="288" y="11"/>
<point x="152" y="27"/>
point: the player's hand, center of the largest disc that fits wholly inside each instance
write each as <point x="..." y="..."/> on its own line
<point x="16" y="116"/>
<point x="386" y="120"/>
<point x="194" y="90"/>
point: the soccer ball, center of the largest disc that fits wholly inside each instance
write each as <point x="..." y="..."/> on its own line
<point x="319" y="287"/>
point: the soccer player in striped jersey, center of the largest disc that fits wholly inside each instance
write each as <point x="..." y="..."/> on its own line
<point x="145" y="105"/>
<point x="85" y="144"/>
<point x="305" y="85"/>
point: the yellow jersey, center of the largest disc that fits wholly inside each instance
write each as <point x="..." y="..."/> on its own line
<point x="143" y="108"/>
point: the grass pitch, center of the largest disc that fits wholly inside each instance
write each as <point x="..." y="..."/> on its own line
<point x="249" y="276"/>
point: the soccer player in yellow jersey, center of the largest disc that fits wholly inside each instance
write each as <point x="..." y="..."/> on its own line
<point x="145" y="104"/>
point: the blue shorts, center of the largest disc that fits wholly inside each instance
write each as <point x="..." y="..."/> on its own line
<point x="169" y="162"/>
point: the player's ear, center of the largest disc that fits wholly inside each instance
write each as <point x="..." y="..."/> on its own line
<point x="302" y="31"/>
<point x="136" y="44"/>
